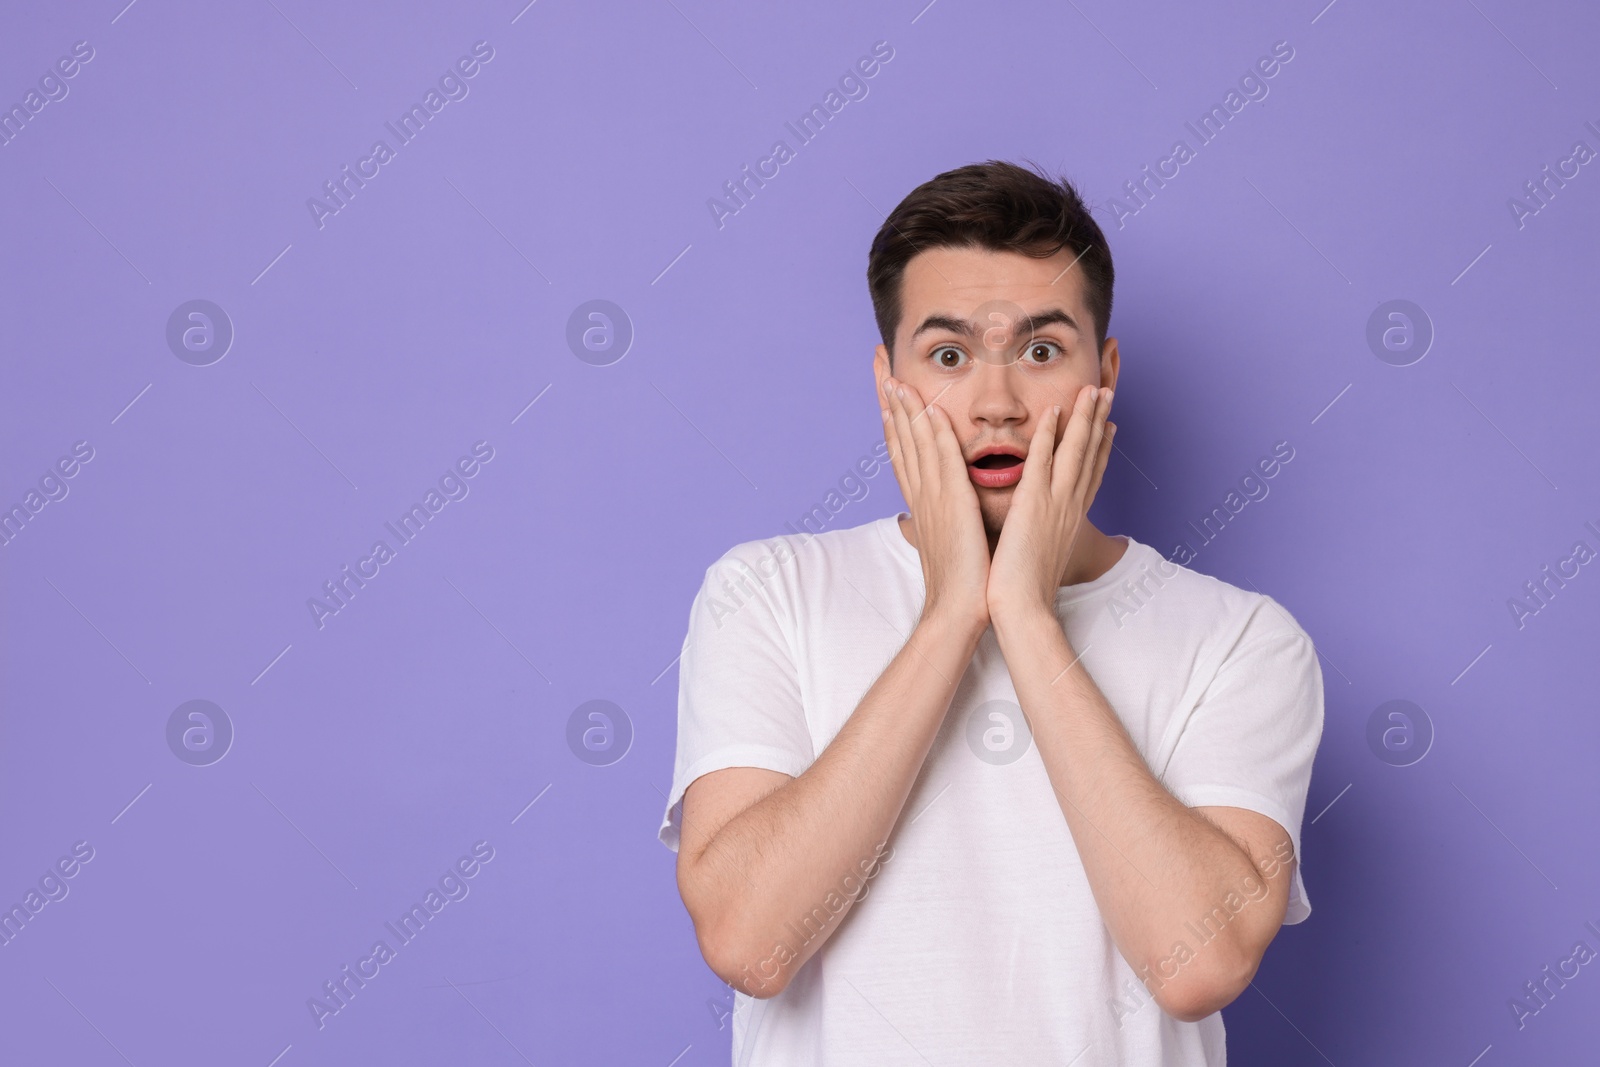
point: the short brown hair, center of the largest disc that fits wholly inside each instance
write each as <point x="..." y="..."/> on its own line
<point x="998" y="206"/>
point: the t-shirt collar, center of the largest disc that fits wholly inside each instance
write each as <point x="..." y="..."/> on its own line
<point x="1131" y="558"/>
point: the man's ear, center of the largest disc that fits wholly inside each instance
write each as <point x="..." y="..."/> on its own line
<point x="880" y="365"/>
<point x="1110" y="364"/>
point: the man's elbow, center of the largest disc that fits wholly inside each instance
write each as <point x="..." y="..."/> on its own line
<point x="743" y="957"/>
<point x="742" y="969"/>
<point x="1199" y="992"/>
<point x="728" y="952"/>
<point x="1194" y="1001"/>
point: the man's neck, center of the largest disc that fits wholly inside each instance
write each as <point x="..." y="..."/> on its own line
<point x="1093" y="554"/>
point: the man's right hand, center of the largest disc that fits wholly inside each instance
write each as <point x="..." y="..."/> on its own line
<point x="933" y="478"/>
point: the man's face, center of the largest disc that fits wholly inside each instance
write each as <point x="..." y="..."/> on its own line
<point x="997" y="338"/>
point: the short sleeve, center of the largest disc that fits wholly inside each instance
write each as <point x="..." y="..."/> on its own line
<point x="739" y="699"/>
<point x="1253" y="735"/>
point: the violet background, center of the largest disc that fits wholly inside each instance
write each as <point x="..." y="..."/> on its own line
<point x="428" y="314"/>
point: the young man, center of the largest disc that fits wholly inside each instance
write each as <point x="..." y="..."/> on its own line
<point x="979" y="783"/>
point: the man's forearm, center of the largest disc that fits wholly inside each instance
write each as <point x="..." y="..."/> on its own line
<point x="773" y="867"/>
<point x="1154" y="864"/>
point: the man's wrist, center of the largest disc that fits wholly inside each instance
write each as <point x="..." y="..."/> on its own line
<point x="1021" y="620"/>
<point x="949" y="623"/>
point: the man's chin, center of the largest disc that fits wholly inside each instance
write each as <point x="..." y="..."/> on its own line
<point x="994" y="516"/>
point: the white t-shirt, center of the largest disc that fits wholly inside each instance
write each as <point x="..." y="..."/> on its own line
<point x="978" y="940"/>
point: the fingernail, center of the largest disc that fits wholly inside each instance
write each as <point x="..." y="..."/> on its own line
<point x="900" y="391"/>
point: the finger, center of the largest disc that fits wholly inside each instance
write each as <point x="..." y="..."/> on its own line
<point x="892" y="438"/>
<point x="1074" y="442"/>
<point x="907" y="444"/>
<point x="1100" y="466"/>
<point x="1041" y="454"/>
<point x="927" y="450"/>
<point x="905" y="451"/>
<point x="952" y="465"/>
<point x="1097" y="440"/>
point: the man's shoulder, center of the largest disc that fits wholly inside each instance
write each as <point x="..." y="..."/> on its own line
<point x="1210" y="603"/>
<point x="797" y="555"/>
<point x="800" y="546"/>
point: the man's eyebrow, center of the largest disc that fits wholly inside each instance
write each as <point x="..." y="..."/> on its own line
<point x="951" y="324"/>
<point x="1052" y="317"/>
<point x="947" y="323"/>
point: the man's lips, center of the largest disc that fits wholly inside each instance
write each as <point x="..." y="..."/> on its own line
<point x="995" y="468"/>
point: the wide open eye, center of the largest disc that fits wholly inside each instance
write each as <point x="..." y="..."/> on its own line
<point x="1042" y="351"/>
<point x="947" y="356"/>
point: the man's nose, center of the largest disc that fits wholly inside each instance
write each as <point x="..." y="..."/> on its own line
<point x="995" y="396"/>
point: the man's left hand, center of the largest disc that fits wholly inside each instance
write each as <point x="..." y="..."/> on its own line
<point x="1059" y="482"/>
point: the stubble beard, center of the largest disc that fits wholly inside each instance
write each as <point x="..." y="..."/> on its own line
<point x="993" y="506"/>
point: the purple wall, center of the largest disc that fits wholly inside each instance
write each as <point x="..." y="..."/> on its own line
<point x="370" y="749"/>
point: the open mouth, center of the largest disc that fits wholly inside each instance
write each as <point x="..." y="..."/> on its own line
<point x="997" y="470"/>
